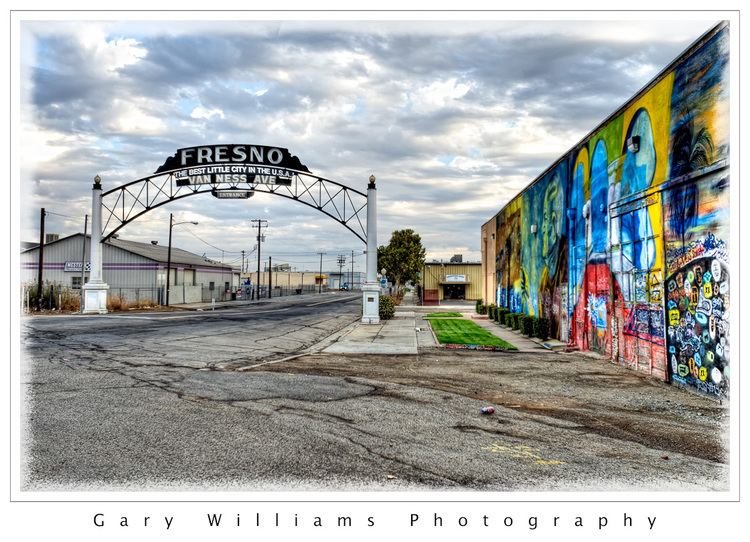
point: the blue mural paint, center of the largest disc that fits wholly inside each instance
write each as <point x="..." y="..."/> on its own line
<point x="637" y="254"/>
<point x="599" y="188"/>
<point x="639" y="167"/>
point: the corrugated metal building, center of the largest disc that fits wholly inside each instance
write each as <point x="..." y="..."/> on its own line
<point x="135" y="272"/>
<point x="444" y="280"/>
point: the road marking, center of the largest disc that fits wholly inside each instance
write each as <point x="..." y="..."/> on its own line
<point x="521" y="451"/>
<point x="330" y="301"/>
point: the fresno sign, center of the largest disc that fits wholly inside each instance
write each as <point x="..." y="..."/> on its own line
<point x="214" y="164"/>
<point x="249" y="155"/>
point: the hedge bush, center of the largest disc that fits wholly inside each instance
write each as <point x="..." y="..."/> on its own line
<point x="541" y="328"/>
<point x="501" y="312"/>
<point x="387" y="307"/>
<point x="517" y="320"/>
<point x="508" y="319"/>
<point x="491" y="311"/>
<point x="478" y="304"/>
<point x="527" y="325"/>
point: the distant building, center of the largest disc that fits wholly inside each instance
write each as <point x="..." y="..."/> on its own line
<point x="278" y="267"/>
<point x="346" y="279"/>
<point x="455" y="281"/>
<point x="134" y="271"/>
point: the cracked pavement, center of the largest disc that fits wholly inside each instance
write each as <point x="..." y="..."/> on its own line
<point x="160" y="401"/>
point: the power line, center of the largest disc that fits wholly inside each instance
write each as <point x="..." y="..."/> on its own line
<point x="60" y="214"/>
<point x="213" y="246"/>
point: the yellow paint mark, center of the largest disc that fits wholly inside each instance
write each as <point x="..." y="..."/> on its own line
<point x="521" y="451"/>
<point x="583" y="159"/>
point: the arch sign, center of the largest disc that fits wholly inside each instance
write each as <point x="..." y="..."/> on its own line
<point x="232" y="171"/>
<point x="233" y="164"/>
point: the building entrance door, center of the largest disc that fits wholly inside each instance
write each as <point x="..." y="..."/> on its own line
<point x="454" y="291"/>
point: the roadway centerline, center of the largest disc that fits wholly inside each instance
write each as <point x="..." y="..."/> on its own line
<point x="330" y="301"/>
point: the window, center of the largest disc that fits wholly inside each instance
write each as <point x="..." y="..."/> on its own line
<point x="75" y="282"/>
<point x="211" y="286"/>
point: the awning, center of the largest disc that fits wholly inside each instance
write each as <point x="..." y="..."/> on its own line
<point x="445" y="282"/>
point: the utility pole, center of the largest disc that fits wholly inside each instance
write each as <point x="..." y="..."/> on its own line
<point x="242" y="267"/>
<point x="83" y="257"/>
<point x="351" y="277"/>
<point x="341" y="261"/>
<point x="257" y="279"/>
<point x="320" y="274"/>
<point x="41" y="259"/>
<point x="172" y="224"/>
<point x="169" y="257"/>
<point x="270" y="284"/>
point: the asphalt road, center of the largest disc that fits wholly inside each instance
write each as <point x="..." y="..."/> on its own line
<point x="166" y="401"/>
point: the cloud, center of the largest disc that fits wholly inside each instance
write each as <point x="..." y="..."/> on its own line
<point x="201" y="112"/>
<point x="454" y="118"/>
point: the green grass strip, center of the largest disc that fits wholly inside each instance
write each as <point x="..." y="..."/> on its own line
<point x="457" y="331"/>
<point x="444" y="315"/>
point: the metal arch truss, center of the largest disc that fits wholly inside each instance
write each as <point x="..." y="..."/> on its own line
<point x="123" y="204"/>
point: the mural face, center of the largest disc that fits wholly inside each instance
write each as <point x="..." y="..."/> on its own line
<point x="639" y="168"/>
<point x="552" y="223"/>
<point x="630" y="246"/>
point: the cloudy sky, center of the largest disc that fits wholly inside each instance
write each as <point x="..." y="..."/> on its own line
<point x="453" y="118"/>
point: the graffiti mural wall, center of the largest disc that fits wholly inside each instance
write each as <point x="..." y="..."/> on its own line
<point x="622" y="243"/>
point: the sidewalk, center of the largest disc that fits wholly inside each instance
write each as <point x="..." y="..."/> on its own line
<point x="395" y="336"/>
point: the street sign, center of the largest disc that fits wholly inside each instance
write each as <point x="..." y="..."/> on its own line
<point x="383" y="282"/>
<point x="232" y="194"/>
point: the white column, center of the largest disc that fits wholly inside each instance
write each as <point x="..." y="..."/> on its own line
<point x="371" y="290"/>
<point x="95" y="290"/>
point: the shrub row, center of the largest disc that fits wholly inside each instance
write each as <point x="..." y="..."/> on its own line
<point x="530" y="326"/>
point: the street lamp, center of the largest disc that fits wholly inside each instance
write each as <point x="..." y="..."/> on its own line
<point x="169" y="249"/>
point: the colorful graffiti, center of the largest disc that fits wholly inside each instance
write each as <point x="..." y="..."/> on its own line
<point x="590" y="242"/>
<point x="698" y="288"/>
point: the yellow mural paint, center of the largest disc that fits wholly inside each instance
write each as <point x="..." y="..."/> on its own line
<point x="583" y="160"/>
<point x="657" y="102"/>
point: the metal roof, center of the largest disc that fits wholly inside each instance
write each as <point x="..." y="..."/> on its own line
<point x="158" y="253"/>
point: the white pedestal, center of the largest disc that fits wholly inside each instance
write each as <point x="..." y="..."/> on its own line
<point x="95" y="298"/>
<point x="371" y="303"/>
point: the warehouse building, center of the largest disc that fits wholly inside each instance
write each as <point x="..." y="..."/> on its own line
<point x="623" y="241"/>
<point x="135" y="272"/>
<point x="285" y="281"/>
<point x="445" y="281"/>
